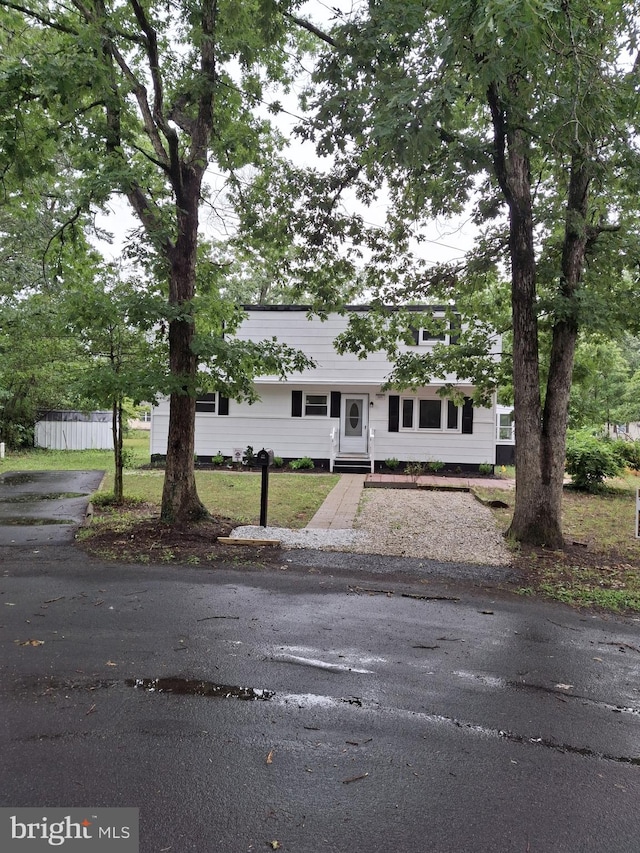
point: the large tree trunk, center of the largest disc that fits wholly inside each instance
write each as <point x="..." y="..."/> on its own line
<point x="541" y="435"/>
<point x="180" y="501"/>
<point x="537" y="517"/>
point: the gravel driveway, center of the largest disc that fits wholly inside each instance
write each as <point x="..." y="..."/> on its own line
<point x="444" y="526"/>
<point x="448" y="526"/>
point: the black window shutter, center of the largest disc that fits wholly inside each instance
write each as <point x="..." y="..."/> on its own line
<point x="296" y="404"/>
<point x="467" y="416"/>
<point x="394" y="413"/>
<point x="223" y="405"/>
<point x="335" y="404"/>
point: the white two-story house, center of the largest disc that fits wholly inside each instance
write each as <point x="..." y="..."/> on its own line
<point x="338" y="413"/>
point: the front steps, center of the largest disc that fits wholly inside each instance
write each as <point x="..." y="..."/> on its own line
<point x="352" y="463"/>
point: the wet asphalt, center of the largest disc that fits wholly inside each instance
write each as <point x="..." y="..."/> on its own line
<point x="314" y="706"/>
<point x="44" y="507"/>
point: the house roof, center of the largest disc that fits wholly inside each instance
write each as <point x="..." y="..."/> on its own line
<point x="353" y="308"/>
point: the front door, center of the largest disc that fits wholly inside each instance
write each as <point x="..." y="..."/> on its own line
<point x="354" y="423"/>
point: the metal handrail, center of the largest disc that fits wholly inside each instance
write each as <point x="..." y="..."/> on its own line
<point x="372" y="436"/>
<point x="333" y="447"/>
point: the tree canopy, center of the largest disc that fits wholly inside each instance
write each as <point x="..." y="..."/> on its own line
<point x="147" y="101"/>
<point x="524" y="115"/>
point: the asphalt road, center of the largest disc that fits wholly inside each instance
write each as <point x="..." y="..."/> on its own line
<point x="314" y="714"/>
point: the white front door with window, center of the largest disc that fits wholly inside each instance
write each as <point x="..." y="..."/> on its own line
<point x="354" y="423"/>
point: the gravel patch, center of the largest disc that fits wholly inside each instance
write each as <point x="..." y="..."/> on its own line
<point x="317" y="538"/>
<point x="446" y="526"/>
<point x="451" y="527"/>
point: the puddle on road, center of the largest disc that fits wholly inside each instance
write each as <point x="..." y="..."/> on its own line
<point x="19" y="521"/>
<point x="194" y="687"/>
<point x="18" y="479"/>
<point x="32" y="498"/>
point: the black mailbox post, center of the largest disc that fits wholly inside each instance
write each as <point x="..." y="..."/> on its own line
<point x="264" y="458"/>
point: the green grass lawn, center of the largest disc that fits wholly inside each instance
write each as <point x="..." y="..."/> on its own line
<point x="293" y="498"/>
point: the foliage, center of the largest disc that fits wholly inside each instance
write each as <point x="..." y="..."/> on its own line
<point x="485" y="468"/>
<point x="143" y="103"/>
<point x="392" y="463"/>
<point x="434" y="465"/>
<point x="249" y="457"/>
<point x="523" y="116"/>
<point x="628" y="452"/>
<point x="590" y="460"/>
<point x="601" y="385"/>
<point x="301" y="464"/>
<point x="414" y="469"/>
<point x="218" y="459"/>
<point x="278" y="461"/>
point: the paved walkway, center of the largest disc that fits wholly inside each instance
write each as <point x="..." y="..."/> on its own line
<point x="340" y="507"/>
<point x="341" y="504"/>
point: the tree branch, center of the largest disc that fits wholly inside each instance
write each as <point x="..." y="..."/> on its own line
<point x="311" y="28"/>
<point x="46" y="22"/>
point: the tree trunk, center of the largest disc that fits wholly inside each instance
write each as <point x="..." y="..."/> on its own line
<point x="541" y="437"/>
<point x="180" y="501"/>
<point x="537" y="515"/>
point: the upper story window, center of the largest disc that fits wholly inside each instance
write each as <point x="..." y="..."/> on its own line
<point x="428" y="337"/>
<point x="442" y="331"/>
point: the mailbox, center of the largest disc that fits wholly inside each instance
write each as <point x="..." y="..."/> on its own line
<point x="264" y="457"/>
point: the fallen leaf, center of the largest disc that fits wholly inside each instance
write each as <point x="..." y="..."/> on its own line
<point x="275" y="845"/>
<point x="31" y="643"/>
<point x="111" y="663"/>
<point x="270" y="757"/>
<point x="565" y="686"/>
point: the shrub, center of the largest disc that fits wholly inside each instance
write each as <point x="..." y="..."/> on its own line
<point x="392" y="463"/>
<point x="218" y="459"/>
<point x="249" y="457"/>
<point x="629" y="453"/>
<point x="485" y="468"/>
<point x="300" y="464"/>
<point x="589" y="460"/>
<point x="414" y="469"/>
<point x="278" y="461"/>
<point x="435" y="465"/>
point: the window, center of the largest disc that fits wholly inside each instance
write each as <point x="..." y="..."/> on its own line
<point x="429" y="414"/>
<point x="315" y="404"/>
<point x="505" y="427"/>
<point x="206" y="403"/>
<point x="213" y="403"/>
<point x="443" y="330"/>
<point x="453" y="414"/>
<point x="407" y="414"/>
<point x="428" y="337"/>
